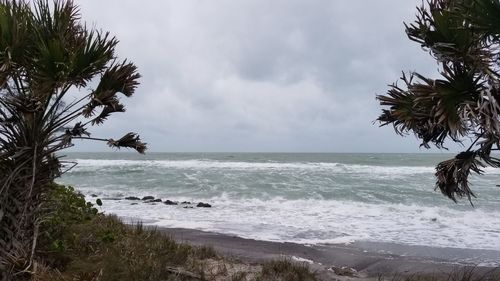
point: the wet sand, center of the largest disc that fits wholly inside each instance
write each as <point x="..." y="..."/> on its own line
<point x="369" y="260"/>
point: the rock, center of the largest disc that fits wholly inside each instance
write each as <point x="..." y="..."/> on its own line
<point x="93" y="195"/>
<point x="112" y="198"/>
<point x="168" y="202"/>
<point x="345" y="271"/>
<point x="148" y="198"/>
<point x="134" y="203"/>
<point x="185" y="202"/>
<point x="434" y="219"/>
<point x="132" y="198"/>
<point x="188" y="207"/>
<point x="203" y="205"/>
<point x="153" y="201"/>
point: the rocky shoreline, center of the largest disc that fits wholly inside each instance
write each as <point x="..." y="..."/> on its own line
<point x="152" y="200"/>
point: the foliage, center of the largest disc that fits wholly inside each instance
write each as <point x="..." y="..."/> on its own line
<point x="61" y="209"/>
<point x="49" y="65"/>
<point x="463" y="37"/>
<point x="82" y="244"/>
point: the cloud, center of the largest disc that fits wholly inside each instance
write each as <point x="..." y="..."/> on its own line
<point x="282" y="75"/>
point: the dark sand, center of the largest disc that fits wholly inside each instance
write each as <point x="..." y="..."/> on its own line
<point x="370" y="260"/>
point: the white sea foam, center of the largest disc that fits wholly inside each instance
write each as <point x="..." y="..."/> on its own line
<point x="95" y="164"/>
<point x="313" y="221"/>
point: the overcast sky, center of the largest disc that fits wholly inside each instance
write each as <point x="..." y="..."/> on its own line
<point x="260" y="75"/>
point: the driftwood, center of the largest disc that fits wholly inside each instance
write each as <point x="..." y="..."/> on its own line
<point x="184" y="273"/>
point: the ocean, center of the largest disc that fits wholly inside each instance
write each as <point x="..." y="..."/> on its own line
<point x="317" y="198"/>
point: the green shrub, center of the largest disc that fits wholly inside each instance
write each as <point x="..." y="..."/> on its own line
<point x="62" y="207"/>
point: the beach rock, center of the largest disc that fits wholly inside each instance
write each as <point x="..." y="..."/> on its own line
<point x="112" y="198"/>
<point x="168" y="202"/>
<point x="345" y="271"/>
<point x="185" y="203"/>
<point x="132" y="198"/>
<point x="153" y="201"/>
<point x="148" y="198"/>
<point x="203" y="205"/>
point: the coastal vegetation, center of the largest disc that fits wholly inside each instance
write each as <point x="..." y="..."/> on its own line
<point x="57" y="79"/>
<point x="79" y="243"/>
<point x="462" y="105"/>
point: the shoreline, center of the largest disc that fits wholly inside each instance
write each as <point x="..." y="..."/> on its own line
<point x="322" y="258"/>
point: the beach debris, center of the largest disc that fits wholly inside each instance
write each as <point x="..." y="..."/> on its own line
<point x="184" y="273"/>
<point x="168" y="202"/>
<point x="344" y="271"/>
<point x="300" y="259"/>
<point x="148" y="198"/>
<point x="203" y="205"/>
<point x="132" y="198"/>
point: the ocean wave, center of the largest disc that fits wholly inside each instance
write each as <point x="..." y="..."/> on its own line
<point x="321" y="221"/>
<point x="96" y="164"/>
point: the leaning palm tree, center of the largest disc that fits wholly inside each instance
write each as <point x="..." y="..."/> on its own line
<point x="48" y="60"/>
<point x="464" y="103"/>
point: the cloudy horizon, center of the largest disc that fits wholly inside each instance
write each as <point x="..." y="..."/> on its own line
<point x="260" y="76"/>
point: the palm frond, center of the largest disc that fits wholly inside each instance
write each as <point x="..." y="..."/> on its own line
<point x="447" y="35"/>
<point x="130" y="140"/>
<point x="452" y="175"/>
<point x="106" y="112"/>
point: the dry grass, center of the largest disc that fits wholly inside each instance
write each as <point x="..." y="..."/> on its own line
<point x="285" y="270"/>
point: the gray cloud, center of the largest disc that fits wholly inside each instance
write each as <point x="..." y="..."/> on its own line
<point x="282" y="75"/>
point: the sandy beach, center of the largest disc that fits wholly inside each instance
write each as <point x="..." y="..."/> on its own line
<point x="321" y="258"/>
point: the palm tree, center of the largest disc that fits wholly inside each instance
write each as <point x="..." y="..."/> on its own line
<point x="45" y="54"/>
<point x="463" y="36"/>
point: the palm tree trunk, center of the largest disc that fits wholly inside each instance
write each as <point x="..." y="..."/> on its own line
<point x="16" y="233"/>
<point x="20" y="198"/>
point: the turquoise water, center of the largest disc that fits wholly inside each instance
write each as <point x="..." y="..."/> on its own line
<point x="303" y="198"/>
